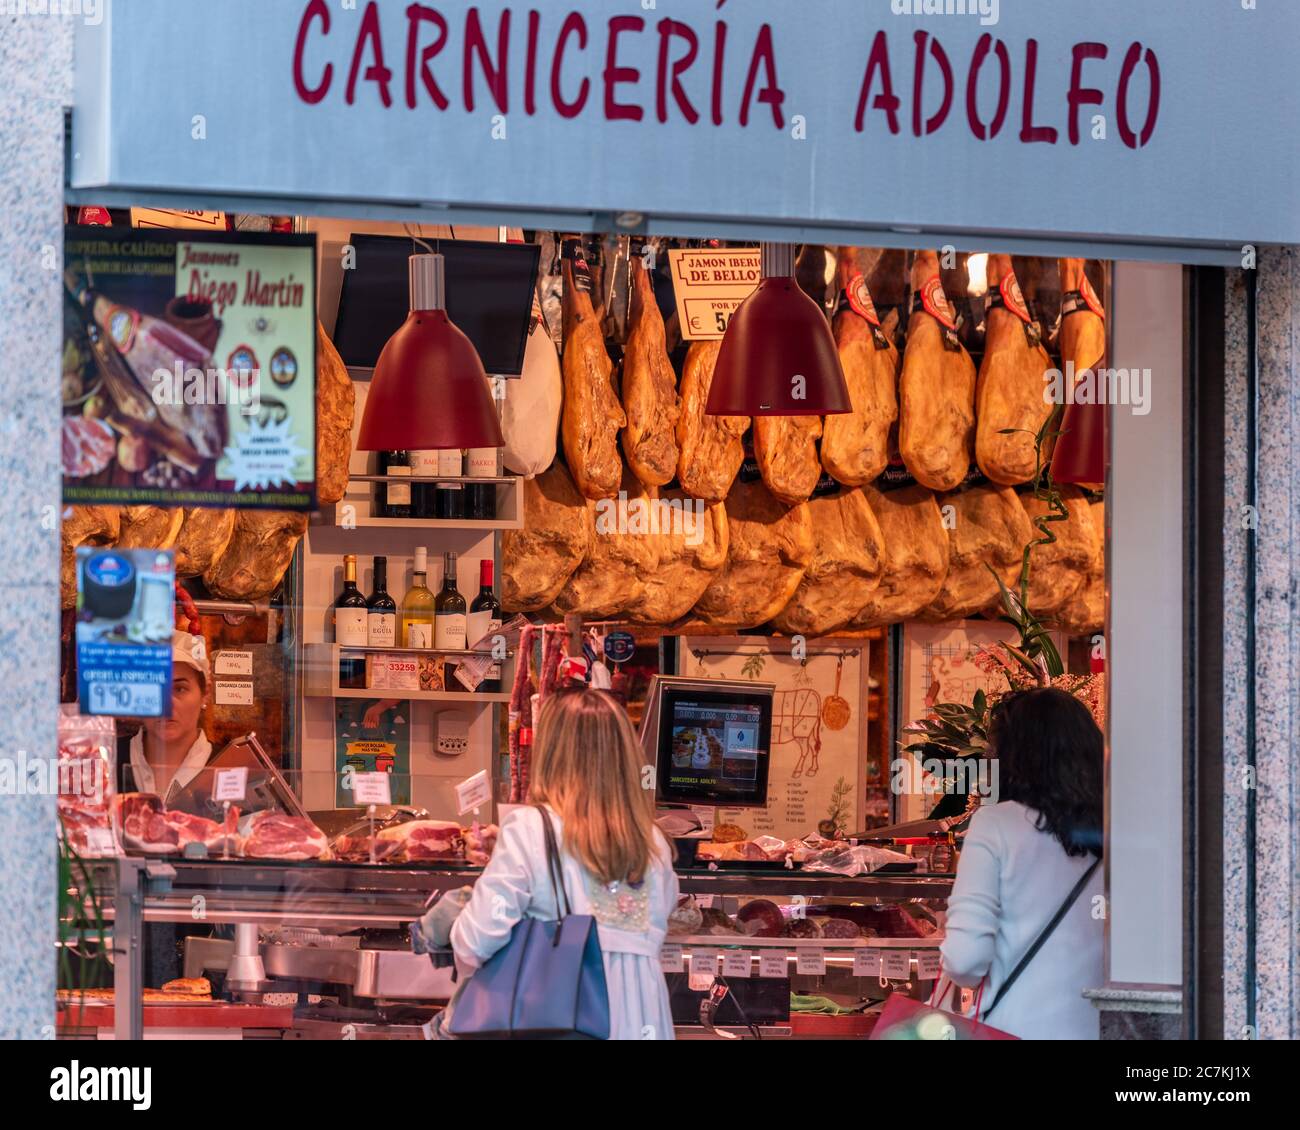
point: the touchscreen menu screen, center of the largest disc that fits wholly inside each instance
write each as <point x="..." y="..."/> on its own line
<point x="713" y="750"/>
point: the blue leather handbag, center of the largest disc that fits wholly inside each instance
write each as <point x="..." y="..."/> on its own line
<point x="546" y="983"/>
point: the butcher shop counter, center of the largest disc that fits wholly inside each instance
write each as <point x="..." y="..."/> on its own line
<point x="344" y="923"/>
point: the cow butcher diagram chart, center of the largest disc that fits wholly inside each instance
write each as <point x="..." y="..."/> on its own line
<point x="817" y="732"/>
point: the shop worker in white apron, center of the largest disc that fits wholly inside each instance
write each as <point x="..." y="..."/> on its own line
<point x="168" y="753"/>
<point x="1024" y="917"/>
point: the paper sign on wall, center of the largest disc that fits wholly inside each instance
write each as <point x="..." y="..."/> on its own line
<point x="227" y="693"/>
<point x="709" y="285"/>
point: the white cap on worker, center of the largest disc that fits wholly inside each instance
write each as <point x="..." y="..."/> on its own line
<point x="193" y="652"/>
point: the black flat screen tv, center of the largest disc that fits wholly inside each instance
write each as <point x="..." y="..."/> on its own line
<point x="490" y="288"/>
<point x="713" y="746"/>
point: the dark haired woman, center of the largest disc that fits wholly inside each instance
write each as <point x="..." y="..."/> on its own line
<point x="1022" y="860"/>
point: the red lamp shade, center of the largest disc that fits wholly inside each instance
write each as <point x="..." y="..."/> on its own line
<point x="1080" y="455"/>
<point x="778" y="357"/>
<point x="429" y="389"/>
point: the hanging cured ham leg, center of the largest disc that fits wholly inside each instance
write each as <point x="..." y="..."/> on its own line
<point x="649" y="387"/>
<point x="711" y="450"/>
<point x="855" y="446"/>
<point x="1011" y="401"/>
<point x="936" y="427"/>
<point x="592" y="415"/>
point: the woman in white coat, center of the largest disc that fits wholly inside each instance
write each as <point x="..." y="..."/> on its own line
<point x="1021" y="860"/>
<point x="617" y="865"/>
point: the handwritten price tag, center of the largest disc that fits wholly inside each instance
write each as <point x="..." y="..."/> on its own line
<point x="929" y="964"/>
<point x="738" y="963"/>
<point x="372" y="788"/>
<point x="231" y="784"/>
<point x="896" y="964"/>
<point x="670" y="959"/>
<point x="473" y="792"/>
<point x="774" y="964"/>
<point x="811" y="962"/>
<point x="866" y="963"/>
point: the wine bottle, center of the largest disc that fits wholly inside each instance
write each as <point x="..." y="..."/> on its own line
<point x="449" y="497"/>
<point x="449" y="622"/>
<point x="485" y="620"/>
<point x="481" y="498"/>
<point x="397" y="496"/>
<point x="350" y="626"/>
<point x="381" y="610"/>
<point x="424" y="464"/>
<point x="417" y="605"/>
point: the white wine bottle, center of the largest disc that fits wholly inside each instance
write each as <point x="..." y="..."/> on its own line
<point x="417" y="605"/>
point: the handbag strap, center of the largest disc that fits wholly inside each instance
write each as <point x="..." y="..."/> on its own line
<point x="554" y="865"/>
<point x="1042" y="938"/>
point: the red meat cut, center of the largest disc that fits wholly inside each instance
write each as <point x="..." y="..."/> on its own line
<point x="273" y="835"/>
<point x="88" y="446"/>
<point x="142" y="824"/>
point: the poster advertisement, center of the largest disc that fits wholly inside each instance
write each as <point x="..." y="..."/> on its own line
<point x="818" y="728"/>
<point x="125" y="616"/>
<point x="189" y="368"/>
<point x="372" y="736"/>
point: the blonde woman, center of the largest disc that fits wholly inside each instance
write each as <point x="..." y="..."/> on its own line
<point x="587" y="772"/>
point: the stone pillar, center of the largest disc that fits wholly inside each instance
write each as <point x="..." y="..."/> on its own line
<point x="36" y="75"/>
<point x="1261" y="704"/>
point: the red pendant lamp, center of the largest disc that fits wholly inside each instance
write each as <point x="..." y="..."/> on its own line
<point x="429" y="390"/>
<point x="1080" y="455"/>
<point x="778" y="357"/>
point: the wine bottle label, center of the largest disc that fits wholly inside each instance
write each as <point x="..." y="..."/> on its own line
<point x="399" y="494"/>
<point x="449" y="631"/>
<point x="450" y="463"/>
<point x="424" y="464"/>
<point x="350" y="627"/>
<point x="382" y="629"/>
<point x="418" y="635"/>
<point x="482" y="462"/>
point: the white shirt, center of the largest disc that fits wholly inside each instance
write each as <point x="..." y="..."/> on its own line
<point x="192" y="764"/>
<point x="1011" y="880"/>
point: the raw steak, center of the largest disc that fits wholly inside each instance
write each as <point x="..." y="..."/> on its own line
<point x="770" y="548"/>
<point x="685" y="570"/>
<point x="205" y="534"/>
<point x="1084" y="614"/>
<point x="83" y="525"/>
<point x="847" y="561"/>
<point x="273" y="835"/>
<point x="1058" y="570"/>
<point x="260" y="549"/>
<point x="142" y="825"/>
<point x="530" y="416"/>
<point x="622" y="556"/>
<point x="916" y="555"/>
<point x="649" y="387"/>
<point x="538" y="560"/>
<point x="1011" y="395"/>
<point x="855" y="447"/>
<point x="592" y="415"/>
<point x="711" y="447"/>
<point x="426" y="839"/>
<point x="88" y="446"/>
<point x="335" y="406"/>
<point x="936" y="424"/>
<point x="988" y="529"/>
<point x="785" y="448"/>
<point x="197" y="829"/>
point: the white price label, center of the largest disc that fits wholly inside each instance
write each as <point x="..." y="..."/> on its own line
<point x="232" y="663"/>
<point x="707" y="815"/>
<point x="774" y="964"/>
<point x="866" y="963"/>
<point x="896" y="964"/>
<point x="670" y="958"/>
<point x="738" y="963"/>
<point x="473" y="792"/>
<point x="99" y="841"/>
<point x="128" y="699"/>
<point x="371" y="788"/>
<point x="811" y="962"/>
<point x="703" y="969"/>
<point x="929" y="964"/>
<point x="231" y="784"/>
<point x="233" y="694"/>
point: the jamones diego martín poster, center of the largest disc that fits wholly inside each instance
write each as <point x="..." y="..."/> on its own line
<point x="189" y="368"/>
